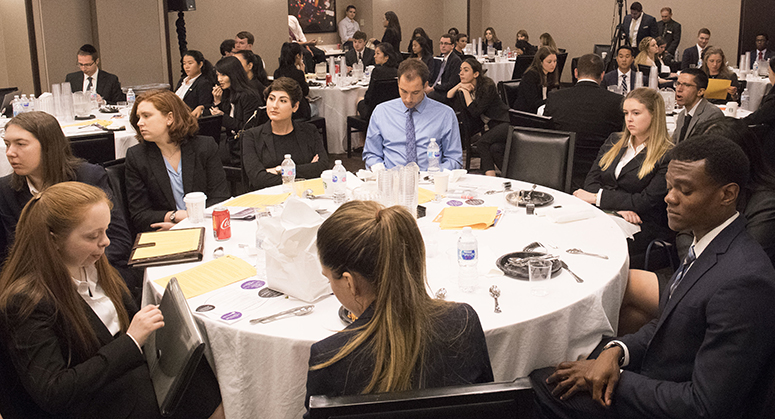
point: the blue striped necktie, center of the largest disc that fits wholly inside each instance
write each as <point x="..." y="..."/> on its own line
<point x="411" y="140"/>
<point x="690" y="258"/>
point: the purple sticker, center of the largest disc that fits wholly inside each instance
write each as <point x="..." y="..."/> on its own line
<point x="233" y="315"/>
<point x="454" y="203"/>
<point x="253" y="284"/>
<point x="475" y="202"/>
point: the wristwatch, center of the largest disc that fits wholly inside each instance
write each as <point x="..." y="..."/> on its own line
<point x="613" y="343"/>
<point x="172" y="216"/>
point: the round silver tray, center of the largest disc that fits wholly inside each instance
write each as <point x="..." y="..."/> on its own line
<point x="537" y="198"/>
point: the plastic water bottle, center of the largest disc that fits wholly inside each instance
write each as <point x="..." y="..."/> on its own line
<point x="467" y="259"/>
<point x="434" y="156"/>
<point x="508" y="52"/>
<point x="339" y="182"/>
<point x="31" y="106"/>
<point x="25" y="104"/>
<point x="755" y="67"/>
<point x="17" y="105"/>
<point x="745" y="100"/>
<point x="130" y="97"/>
<point x="288" y="168"/>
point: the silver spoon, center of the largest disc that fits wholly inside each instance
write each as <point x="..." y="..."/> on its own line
<point x="575" y="251"/>
<point x="495" y="293"/>
<point x="297" y="311"/>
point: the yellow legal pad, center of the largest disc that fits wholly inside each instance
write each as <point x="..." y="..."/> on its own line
<point x="478" y="218"/>
<point x="102" y="122"/>
<point x="315" y="184"/>
<point x="257" y="200"/>
<point x="163" y="243"/>
<point x="211" y="275"/>
<point x="425" y="196"/>
<point x="717" y="88"/>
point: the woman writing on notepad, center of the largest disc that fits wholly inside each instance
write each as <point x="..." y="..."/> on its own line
<point x="169" y="162"/>
<point x="374" y="258"/>
<point x="264" y="147"/>
<point x="72" y="336"/>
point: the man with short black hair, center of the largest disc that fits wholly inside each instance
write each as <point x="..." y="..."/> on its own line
<point x="347" y="28"/>
<point x="227" y="48"/>
<point x="711" y="352"/>
<point x="93" y="80"/>
<point x="624" y="75"/>
<point x="587" y="109"/>
<point x="761" y="53"/>
<point x="693" y="55"/>
<point x="359" y="52"/>
<point x="400" y="130"/>
<point x="638" y="25"/>
<point x="669" y="30"/>
<point x="244" y="41"/>
<point x="689" y="91"/>
<point x="447" y="74"/>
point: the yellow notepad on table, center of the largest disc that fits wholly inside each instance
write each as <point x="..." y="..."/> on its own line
<point x="478" y="218"/>
<point x="425" y="196"/>
<point x="256" y="200"/>
<point x="167" y="247"/>
<point x="211" y="275"/>
<point x="315" y="184"/>
<point x="717" y="88"/>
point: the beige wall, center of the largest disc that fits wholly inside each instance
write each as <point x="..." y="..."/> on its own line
<point x="577" y="34"/>
<point x="455" y="15"/>
<point x="15" y="64"/>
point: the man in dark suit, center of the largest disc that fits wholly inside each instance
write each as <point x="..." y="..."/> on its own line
<point x="447" y="74"/>
<point x="587" y="109"/>
<point x="711" y="351"/>
<point x="669" y="30"/>
<point x="638" y="25"/>
<point x="359" y="52"/>
<point x="92" y="79"/>
<point x="761" y="53"/>
<point x="689" y="90"/>
<point x="624" y="75"/>
<point x="693" y="55"/>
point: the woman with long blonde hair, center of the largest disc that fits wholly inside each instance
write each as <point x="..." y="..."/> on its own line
<point x="374" y="258"/>
<point x="71" y="333"/>
<point x="628" y="176"/>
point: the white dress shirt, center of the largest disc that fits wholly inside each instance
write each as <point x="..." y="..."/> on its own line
<point x="347" y="28"/>
<point x="94" y="82"/>
<point x="91" y="292"/>
<point x="629" y="153"/>
<point x="183" y="89"/>
<point x="295" y="27"/>
<point x="634" y="26"/>
<point x="629" y="78"/>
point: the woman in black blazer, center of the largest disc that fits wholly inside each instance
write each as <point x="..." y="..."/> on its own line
<point x="491" y="40"/>
<point x="386" y="69"/>
<point x="715" y="66"/>
<point x="238" y="102"/>
<point x="196" y="89"/>
<point x="628" y="176"/>
<point x="538" y="80"/>
<point x="291" y="65"/>
<point x="71" y="334"/>
<point x="264" y="147"/>
<point x="374" y="258"/>
<point x="169" y="162"/>
<point x="482" y="103"/>
<point x="420" y="50"/>
<point x="40" y="155"/>
<point x="420" y="33"/>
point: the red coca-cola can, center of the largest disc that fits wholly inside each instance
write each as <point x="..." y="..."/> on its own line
<point x="328" y="79"/>
<point x="221" y="223"/>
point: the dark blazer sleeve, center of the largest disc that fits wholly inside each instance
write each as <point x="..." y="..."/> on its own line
<point x="120" y="239"/>
<point x="487" y="102"/>
<point x="766" y="112"/>
<point x="530" y="93"/>
<point x="451" y="76"/>
<point x="310" y="139"/>
<point x="760" y="213"/>
<point x="76" y="81"/>
<point x="255" y="157"/>
<point x="110" y="88"/>
<point x="139" y="188"/>
<point x="652" y="22"/>
<point x="690" y="56"/>
<point x="199" y="94"/>
<point x="676" y="39"/>
<point x="393" y="38"/>
<point x="53" y="383"/>
<point x="247" y="103"/>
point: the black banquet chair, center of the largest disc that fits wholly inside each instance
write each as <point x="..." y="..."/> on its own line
<point x="531" y="120"/>
<point x="384" y="90"/>
<point x="540" y="156"/>
<point x="508" y="91"/>
<point x="94" y="148"/>
<point x="521" y="64"/>
<point x="477" y="401"/>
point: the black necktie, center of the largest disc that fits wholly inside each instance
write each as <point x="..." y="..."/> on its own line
<point x="684" y="128"/>
<point x="90" y="85"/>
<point x="360" y="57"/>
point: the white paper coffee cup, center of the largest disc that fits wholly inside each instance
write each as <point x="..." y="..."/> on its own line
<point x="195" y="206"/>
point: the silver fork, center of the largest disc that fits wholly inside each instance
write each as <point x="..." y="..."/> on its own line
<point x="575" y="251"/>
<point x="495" y="293"/>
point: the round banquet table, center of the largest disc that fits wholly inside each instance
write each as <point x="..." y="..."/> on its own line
<point x="336" y="104"/>
<point x="262" y="368"/>
<point x="499" y="71"/>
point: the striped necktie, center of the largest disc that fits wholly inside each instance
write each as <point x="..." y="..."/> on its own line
<point x="690" y="258"/>
<point x="411" y="139"/>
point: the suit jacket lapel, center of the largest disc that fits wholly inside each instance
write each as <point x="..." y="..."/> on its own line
<point x="102" y="332"/>
<point x="634" y="163"/>
<point x="266" y="133"/>
<point x="188" y="159"/>
<point x="159" y="171"/>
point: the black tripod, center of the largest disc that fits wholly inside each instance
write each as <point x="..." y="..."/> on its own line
<point x="617" y="40"/>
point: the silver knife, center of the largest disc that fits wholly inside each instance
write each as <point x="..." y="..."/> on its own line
<point x="298" y="311"/>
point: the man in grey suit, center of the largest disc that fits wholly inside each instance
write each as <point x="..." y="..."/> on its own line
<point x="669" y="30"/>
<point x="689" y="89"/>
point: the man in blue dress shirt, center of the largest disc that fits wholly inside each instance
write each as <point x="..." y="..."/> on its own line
<point x="401" y="129"/>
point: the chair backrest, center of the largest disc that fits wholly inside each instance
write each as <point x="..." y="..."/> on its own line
<point x="117" y="179"/>
<point x="527" y="119"/>
<point x="574" y="64"/>
<point x="599" y="49"/>
<point x="491" y="401"/>
<point x="561" y="59"/>
<point x="646" y="70"/>
<point x="508" y="90"/>
<point x="385" y="90"/>
<point x="96" y="148"/>
<point x="540" y="156"/>
<point x="521" y="65"/>
<point x="6" y="96"/>
<point x="211" y="126"/>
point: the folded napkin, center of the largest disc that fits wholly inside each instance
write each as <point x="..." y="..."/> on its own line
<point x="569" y="213"/>
<point x="478" y="218"/>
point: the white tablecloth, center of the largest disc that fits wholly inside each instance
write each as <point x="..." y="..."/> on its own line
<point x="336" y="105"/>
<point x="756" y="87"/>
<point x="499" y="71"/>
<point x="262" y="368"/>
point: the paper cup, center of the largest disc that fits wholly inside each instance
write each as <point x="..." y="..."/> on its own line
<point x="440" y="182"/>
<point x="457" y="174"/>
<point x="195" y="206"/>
<point x="326" y="176"/>
<point x="731" y="109"/>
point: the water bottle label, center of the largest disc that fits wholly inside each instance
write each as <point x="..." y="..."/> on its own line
<point x="341" y="179"/>
<point x="467" y="254"/>
<point x="434" y="154"/>
<point x="288" y="172"/>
